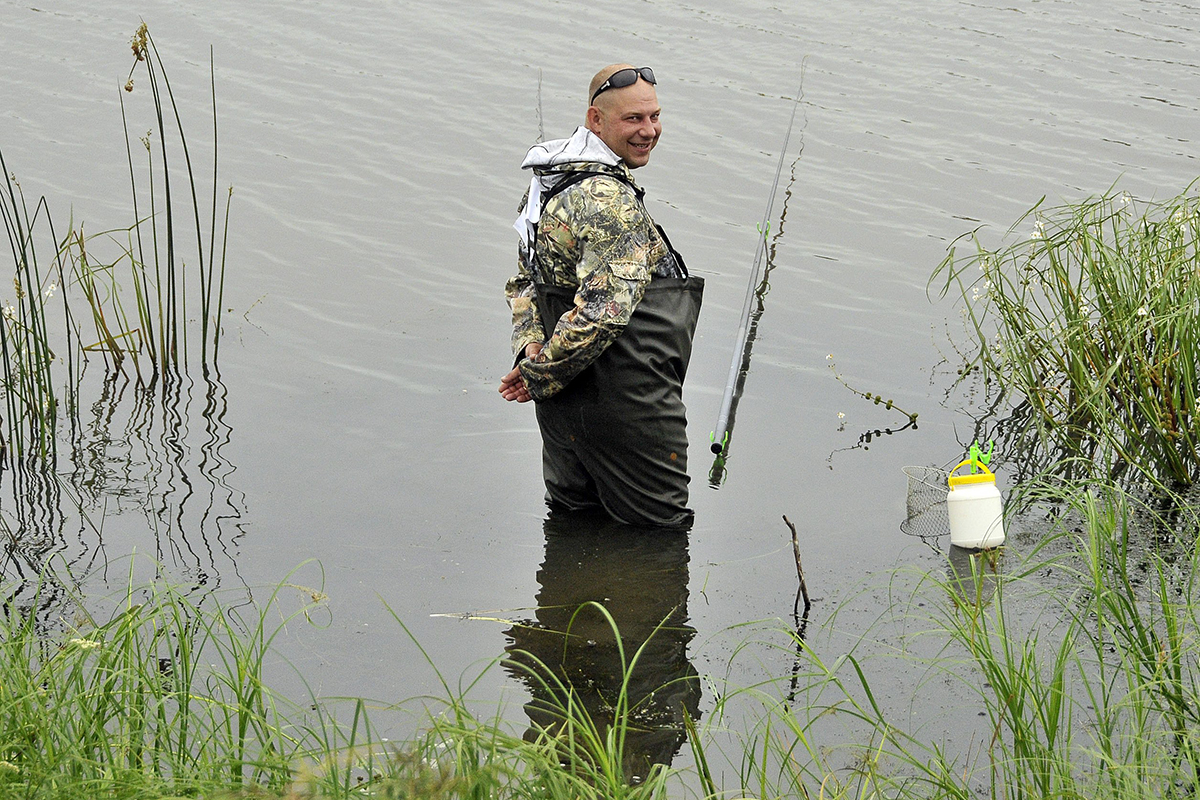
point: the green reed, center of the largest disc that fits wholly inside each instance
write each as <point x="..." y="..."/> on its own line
<point x="129" y="286"/>
<point x="1101" y="697"/>
<point x="574" y="751"/>
<point x="1093" y="323"/>
<point x="162" y="305"/>
<point x="31" y="404"/>
<point x="1087" y="682"/>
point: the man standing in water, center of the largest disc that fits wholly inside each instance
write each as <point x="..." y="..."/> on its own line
<point x="603" y="315"/>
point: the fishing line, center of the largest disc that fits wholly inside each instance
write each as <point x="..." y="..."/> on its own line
<point x="541" y="129"/>
<point x="720" y="435"/>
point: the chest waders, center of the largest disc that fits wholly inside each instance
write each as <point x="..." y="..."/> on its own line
<point x="616" y="435"/>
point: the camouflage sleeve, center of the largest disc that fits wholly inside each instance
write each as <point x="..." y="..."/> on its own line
<point x="526" y="318"/>
<point x="612" y="274"/>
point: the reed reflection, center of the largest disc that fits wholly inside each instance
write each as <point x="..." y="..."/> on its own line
<point x="972" y="575"/>
<point x="571" y="657"/>
<point x="150" y="452"/>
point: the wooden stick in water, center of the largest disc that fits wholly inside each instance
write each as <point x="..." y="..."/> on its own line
<point x="799" y="571"/>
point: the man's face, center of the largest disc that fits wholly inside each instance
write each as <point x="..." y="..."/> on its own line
<point x="626" y="119"/>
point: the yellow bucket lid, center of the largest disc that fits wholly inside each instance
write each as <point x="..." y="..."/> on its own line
<point x="964" y="480"/>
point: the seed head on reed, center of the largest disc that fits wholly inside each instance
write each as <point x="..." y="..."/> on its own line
<point x="139" y="42"/>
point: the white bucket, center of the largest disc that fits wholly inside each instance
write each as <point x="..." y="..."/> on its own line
<point x="976" y="514"/>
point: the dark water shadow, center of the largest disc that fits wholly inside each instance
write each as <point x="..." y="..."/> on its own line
<point x="570" y="654"/>
<point x="150" y="452"/>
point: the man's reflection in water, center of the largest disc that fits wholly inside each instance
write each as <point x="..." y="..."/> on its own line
<point x="640" y="576"/>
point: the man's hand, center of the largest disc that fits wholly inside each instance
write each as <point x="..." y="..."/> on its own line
<point x="512" y="385"/>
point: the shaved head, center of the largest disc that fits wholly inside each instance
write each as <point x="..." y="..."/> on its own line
<point x="600" y="77"/>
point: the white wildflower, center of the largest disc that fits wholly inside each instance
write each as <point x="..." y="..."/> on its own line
<point x="85" y="644"/>
<point x="841" y="415"/>
<point x="1126" y="198"/>
<point x="50" y="290"/>
<point x="1141" y="312"/>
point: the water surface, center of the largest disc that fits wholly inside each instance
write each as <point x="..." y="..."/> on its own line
<point x="374" y="148"/>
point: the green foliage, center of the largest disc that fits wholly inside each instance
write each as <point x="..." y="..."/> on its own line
<point x="30" y="404"/>
<point x="1093" y="324"/>
<point x="161" y="695"/>
<point x="121" y="295"/>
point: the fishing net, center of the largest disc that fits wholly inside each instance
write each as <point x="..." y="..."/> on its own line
<point x="926" y="502"/>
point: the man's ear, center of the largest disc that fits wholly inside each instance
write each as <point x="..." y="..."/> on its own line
<point x="593" y="119"/>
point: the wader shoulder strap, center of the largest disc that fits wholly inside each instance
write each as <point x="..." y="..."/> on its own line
<point x="575" y="177"/>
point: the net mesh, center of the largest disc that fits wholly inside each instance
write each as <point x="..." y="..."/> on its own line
<point x="926" y="502"/>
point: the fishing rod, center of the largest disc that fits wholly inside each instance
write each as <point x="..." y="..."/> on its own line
<point x="716" y="475"/>
<point x="720" y="435"/>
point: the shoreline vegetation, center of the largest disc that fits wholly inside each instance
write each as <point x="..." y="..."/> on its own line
<point x="1086" y="685"/>
<point x="1088" y="326"/>
<point x="1077" y="648"/>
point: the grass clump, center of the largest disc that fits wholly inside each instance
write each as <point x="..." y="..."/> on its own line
<point x="1091" y="326"/>
<point x="166" y="696"/>
<point x="1096" y="693"/>
<point x="159" y="696"/>
<point x="1069" y="671"/>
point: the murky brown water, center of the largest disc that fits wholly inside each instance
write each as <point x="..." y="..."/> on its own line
<point x="375" y="147"/>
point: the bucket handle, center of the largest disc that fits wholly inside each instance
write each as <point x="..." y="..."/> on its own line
<point x="986" y="477"/>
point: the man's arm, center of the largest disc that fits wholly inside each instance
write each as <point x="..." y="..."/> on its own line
<point x="526" y="317"/>
<point x="604" y="216"/>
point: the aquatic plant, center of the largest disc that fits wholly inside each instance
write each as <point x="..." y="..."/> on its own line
<point x="1098" y="696"/>
<point x="1090" y="325"/>
<point x="31" y="406"/>
<point x="162" y="304"/>
<point x="85" y="277"/>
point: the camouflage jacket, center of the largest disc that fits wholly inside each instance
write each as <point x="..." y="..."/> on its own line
<point x="597" y="238"/>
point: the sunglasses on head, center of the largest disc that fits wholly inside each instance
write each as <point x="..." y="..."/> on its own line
<point x="625" y="77"/>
